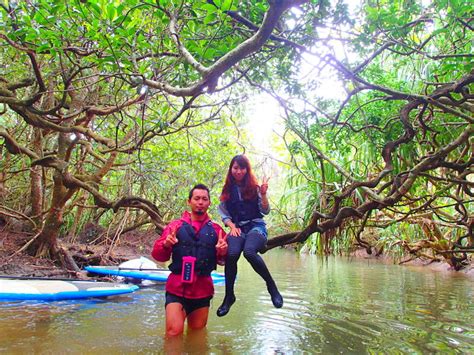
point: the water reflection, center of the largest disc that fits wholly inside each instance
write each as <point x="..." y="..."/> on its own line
<point x="194" y="341"/>
<point x="334" y="305"/>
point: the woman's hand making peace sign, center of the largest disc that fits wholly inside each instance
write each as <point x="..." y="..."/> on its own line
<point x="264" y="186"/>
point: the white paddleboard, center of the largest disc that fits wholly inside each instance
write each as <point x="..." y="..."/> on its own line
<point x="55" y="290"/>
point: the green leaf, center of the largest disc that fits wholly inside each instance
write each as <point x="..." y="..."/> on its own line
<point x="111" y="11"/>
<point x="95" y="8"/>
<point x="226" y="5"/>
<point x="43" y="47"/>
<point x="210" y="9"/>
<point x="209" y="18"/>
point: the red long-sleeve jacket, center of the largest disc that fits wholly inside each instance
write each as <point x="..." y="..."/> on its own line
<point x="203" y="286"/>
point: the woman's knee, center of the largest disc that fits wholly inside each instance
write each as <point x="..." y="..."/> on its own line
<point x="234" y="246"/>
<point x="255" y="242"/>
<point x="250" y="254"/>
<point x="233" y="256"/>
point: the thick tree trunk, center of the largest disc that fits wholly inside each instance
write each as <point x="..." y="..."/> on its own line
<point x="45" y="244"/>
<point x="36" y="183"/>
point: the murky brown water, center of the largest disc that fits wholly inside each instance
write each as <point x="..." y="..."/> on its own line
<point x="332" y="305"/>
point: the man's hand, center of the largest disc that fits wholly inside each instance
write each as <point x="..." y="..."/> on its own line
<point x="171" y="239"/>
<point x="221" y="246"/>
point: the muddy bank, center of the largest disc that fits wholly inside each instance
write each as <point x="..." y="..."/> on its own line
<point x="420" y="263"/>
<point x="15" y="261"/>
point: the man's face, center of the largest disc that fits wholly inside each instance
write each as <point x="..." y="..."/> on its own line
<point x="199" y="202"/>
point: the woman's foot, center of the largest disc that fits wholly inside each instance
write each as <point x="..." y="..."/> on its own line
<point x="225" y="306"/>
<point x="277" y="299"/>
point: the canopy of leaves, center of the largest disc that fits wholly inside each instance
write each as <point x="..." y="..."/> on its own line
<point x="121" y="104"/>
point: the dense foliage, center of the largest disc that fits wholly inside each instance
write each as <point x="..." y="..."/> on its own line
<point x="115" y="107"/>
<point x="389" y="164"/>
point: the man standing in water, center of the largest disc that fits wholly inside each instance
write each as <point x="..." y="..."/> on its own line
<point x="196" y="245"/>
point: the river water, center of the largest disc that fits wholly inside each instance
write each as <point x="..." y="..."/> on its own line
<point x="332" y="305"/>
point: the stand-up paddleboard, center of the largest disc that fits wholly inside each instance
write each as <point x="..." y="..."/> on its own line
<point x="160" y="275"/>
<point x="55" y="290"/>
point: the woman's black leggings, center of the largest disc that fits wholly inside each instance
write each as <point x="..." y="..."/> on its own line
<point x="250" y="246"/>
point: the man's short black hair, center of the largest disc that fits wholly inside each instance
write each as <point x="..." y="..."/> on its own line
<point x="199" y="187"/>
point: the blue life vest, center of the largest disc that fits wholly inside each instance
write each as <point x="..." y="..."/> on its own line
<point x="242" y="210"/>
<point x="202" y="246"/>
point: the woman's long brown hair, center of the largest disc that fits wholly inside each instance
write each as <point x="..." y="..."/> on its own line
<point x="250" y="184"/>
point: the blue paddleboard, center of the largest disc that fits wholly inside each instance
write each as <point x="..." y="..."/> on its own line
<point x="149" y="274"/>
<point x="56" y="290"/>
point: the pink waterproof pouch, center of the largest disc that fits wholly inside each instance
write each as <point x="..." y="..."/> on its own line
<point x="187" y="275"/>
